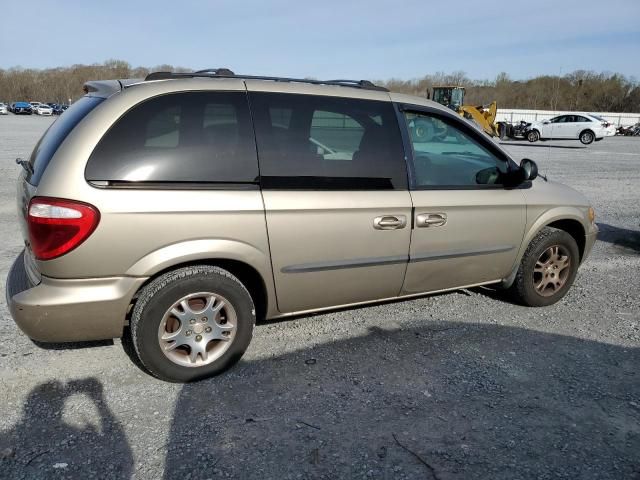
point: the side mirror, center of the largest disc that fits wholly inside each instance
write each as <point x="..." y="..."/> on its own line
<point x="529" y="169"/>
<point x="546" y="122"/>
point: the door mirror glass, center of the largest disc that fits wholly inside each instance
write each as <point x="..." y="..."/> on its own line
<point x="529" y="169"/>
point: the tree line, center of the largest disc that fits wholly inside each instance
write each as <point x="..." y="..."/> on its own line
<point x="577" y="91"/>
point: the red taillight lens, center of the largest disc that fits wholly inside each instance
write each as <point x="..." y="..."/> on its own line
<point x="57" y="226"/>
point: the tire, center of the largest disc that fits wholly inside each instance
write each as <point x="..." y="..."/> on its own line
<point x="221" y="317"/>
<point x="533" y="136"/>
<point x="586" y="137"/>
<point x="554" y="279"/>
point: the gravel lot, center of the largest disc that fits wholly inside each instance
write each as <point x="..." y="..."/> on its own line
<point x="456" y="386"/>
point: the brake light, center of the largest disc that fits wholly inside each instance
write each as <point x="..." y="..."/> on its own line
<point x="57" y="226"/>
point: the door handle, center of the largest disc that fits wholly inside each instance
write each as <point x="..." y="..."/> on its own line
<point x="431" y="219"/>
<point x="389" y="222"/>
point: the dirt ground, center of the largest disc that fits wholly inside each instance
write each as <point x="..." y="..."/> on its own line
<point x="454" y="386"/>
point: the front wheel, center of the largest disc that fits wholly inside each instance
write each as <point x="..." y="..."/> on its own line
<point x="192" y="323"/>
<point x="547" y="270"/>
<point x="533" y="136"/>
<point x="587" y="137"/>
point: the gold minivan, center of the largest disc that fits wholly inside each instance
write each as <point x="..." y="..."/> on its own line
<point x="177" y="209"/>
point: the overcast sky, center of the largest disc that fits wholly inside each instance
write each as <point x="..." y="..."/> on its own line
<point x="328" y="39"/>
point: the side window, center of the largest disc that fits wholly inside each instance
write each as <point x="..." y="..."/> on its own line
<point x="192" y="137"/>
<point x="580" y="119"/>
<point x="163" y="129"/>
<point x="337" y="136"/>
<point x="446" y="156"/>
<point x="327" y="143"/>
<point x="557" y="119"/>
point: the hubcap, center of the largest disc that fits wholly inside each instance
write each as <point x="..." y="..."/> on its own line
<point x="551" y="270"/>
<point x="197" y="329"/>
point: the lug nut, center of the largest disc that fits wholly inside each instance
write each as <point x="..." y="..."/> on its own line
<point x="208" y="329"/>
<point x="198" y="338"/>
<point x="204" y="319"/>
<point x="188" y="332"/>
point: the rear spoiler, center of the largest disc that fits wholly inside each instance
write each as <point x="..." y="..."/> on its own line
<point x="106" y="88"/>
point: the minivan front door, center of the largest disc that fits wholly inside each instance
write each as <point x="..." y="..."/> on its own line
<point x="334" y="185"/>
<point x="467" y="226"/>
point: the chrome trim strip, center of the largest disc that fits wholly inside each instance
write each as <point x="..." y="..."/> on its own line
<point x="341" y="264"/>
<point x="425" y="257"/>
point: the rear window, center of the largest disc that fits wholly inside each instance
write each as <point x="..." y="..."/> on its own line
<point x="55" y="135"/>
<point x="189" y="137"/>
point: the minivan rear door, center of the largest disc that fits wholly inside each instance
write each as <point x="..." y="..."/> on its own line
<point x="334" y="184"/>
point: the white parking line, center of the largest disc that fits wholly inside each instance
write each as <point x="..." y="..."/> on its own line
<point x="613" y="153"/>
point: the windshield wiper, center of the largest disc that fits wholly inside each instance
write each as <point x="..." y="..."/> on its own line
<point x="26" y="165"/>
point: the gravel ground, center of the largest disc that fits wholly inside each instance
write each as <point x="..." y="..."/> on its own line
<point x="455" y="386"/>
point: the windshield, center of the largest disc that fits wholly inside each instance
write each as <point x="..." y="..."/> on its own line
<point x="55" y="135"/>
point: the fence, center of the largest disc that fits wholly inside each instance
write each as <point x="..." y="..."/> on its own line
<point x="515" y="115"/>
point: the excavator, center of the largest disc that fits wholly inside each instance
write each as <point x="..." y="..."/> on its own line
<point x="452" y="96"/>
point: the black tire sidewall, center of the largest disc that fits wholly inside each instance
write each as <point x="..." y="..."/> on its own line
<point x="145" y="327"/>
<point x="590" y="141"/>
<point x="557" y="237"/>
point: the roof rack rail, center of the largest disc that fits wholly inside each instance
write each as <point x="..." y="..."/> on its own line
<point x="226" y="73"/>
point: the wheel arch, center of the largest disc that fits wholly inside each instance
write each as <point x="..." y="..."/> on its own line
<point x="587" y="130"/>
<point x="567" y="219"/>
<point x="251" y="266"/>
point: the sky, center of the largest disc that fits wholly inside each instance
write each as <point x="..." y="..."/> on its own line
<point x="329" y="39"/>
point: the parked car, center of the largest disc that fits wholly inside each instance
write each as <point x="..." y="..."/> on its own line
<point x="34" y="106"/>
<point x="44" y="109"/>
<point x="147" y="212"/>
<point x="4" y="110"/>
<point x="21" y="108"/>
<point x="581" y="127"/>
<point x="58" y="109"/>
<point x="609" y="128"/>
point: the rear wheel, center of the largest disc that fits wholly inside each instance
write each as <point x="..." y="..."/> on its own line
<point x="547" y="270"/>
<point x="533" y="136"/>
<point x="587" y="137"/>
<point x="192" y="323"/>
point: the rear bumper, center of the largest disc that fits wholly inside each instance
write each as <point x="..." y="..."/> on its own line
<point x="69" y="310"/>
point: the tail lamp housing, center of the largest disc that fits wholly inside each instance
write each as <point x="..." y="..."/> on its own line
<point x="57" y="226"/>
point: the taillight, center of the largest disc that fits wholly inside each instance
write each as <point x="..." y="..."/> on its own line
<point x="57" y="226"/>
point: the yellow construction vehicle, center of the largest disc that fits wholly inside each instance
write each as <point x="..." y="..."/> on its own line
<point x="453" y="97"/>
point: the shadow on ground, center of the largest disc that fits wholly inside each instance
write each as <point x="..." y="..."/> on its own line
<point x="44" y="445"/>
<point x="444" y="401"/>
<point x="624" y="240"/>
<point x="462" y="400"/>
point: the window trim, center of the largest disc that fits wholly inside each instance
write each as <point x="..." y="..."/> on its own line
<point x="402" y="108"/>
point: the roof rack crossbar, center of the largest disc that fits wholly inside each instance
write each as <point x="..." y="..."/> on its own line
<point x="226" y="73"/>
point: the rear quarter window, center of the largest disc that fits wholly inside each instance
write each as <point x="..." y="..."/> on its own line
<point x="186" y="137"/>
<point x="56" y="134"/>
